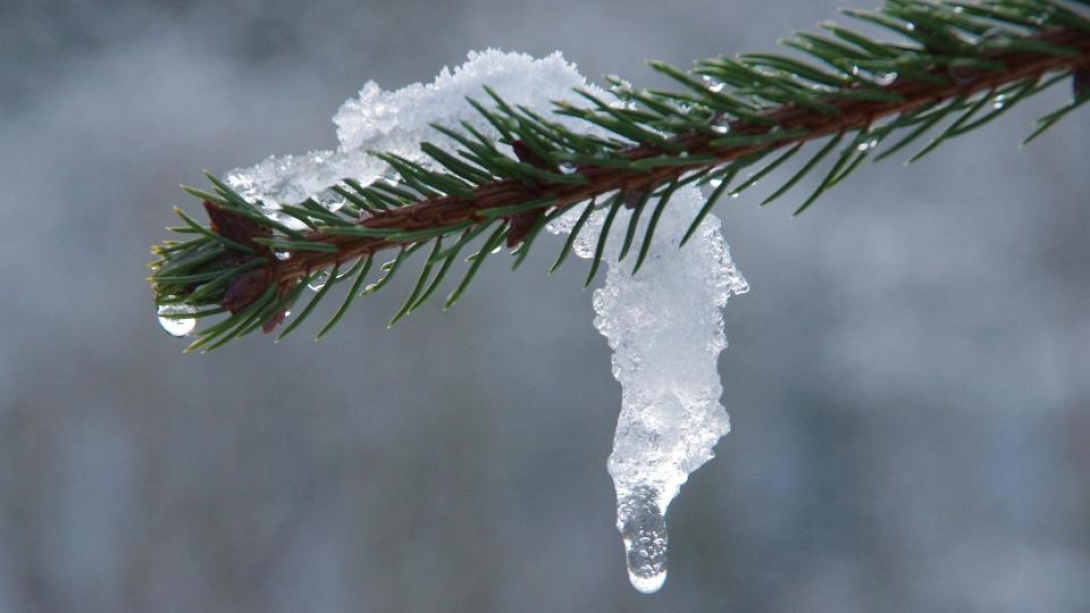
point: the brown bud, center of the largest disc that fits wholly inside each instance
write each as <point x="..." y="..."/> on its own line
<point x="519" y="226"/>
<point x="526" y="155"/>
<point x="1080" y="82"/>
<point x="632" y="198"/>
<point x="962" y="74"/>
<point x="244" y="289"/>
<point x="230" y="225"/>
<point x="271" y="323"/>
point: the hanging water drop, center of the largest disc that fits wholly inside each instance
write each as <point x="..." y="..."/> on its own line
<point x="1000" y="102"/>
<point x="319" y="281"/>
<point x="172" y="320"/>
<point x="568" y="168"/>
<point x="642" y="523"/>
<point x="282" y="255"/>
<point x="867" y="146"/>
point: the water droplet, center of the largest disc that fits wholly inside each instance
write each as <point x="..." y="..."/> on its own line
<point x="282" y="255"/>
<point x="284" y="219"/>
<point x="568" y="168"/>
<point x="1000" y="102"/>
<point x="319" y="281"/>
<point x="498" y="249"/>
<point x="911" y="27"/>
<point x="884" y="79"/>
<point x="642" y="523"/>
<point x="721" y="128"/>
<point x="867" y="146"/>
<point x="735" y="194"/>
<point x="879" y="78"/>
<point x="171" y="322"/>
<point x="713" y="85"/>
<point x="330" y="200"/>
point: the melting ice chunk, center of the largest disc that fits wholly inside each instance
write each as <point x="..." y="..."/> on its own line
<point x="665" y="327"/>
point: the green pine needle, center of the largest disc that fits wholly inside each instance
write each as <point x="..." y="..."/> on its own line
<point x="958" y="64"/>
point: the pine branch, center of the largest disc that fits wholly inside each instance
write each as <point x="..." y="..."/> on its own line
<point x="964" y="64"/>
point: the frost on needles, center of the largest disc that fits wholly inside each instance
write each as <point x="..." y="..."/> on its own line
<point x="664" y="324"/>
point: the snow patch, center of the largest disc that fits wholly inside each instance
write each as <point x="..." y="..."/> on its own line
<point x="398" y="121"/>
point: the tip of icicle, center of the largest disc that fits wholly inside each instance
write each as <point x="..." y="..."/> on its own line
<point x="647" y="584"/>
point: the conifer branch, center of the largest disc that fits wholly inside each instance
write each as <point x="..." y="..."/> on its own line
<point x="964" y="64"/>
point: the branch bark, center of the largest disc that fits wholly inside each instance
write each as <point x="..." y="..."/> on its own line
<point x="443" y="211"/>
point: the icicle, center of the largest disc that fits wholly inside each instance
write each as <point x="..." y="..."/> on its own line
<point x="665" y="327"/>
<point x="641" y="520"/>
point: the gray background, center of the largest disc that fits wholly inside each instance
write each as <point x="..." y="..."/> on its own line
<point x="907" y="380"/>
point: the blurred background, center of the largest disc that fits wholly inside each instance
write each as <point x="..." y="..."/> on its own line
<point x="908" y="380"/>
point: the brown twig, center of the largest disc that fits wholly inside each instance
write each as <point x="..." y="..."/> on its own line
<point x="799" y="124"/>
<point x="852" y="115"/>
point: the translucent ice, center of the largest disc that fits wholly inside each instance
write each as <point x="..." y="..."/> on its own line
<point x="664" y="324"/>
<point x="665" y="327"/>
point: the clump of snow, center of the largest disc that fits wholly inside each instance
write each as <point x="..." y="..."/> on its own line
<point x="664" y="324"/>
<point x="398" y="121"/>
